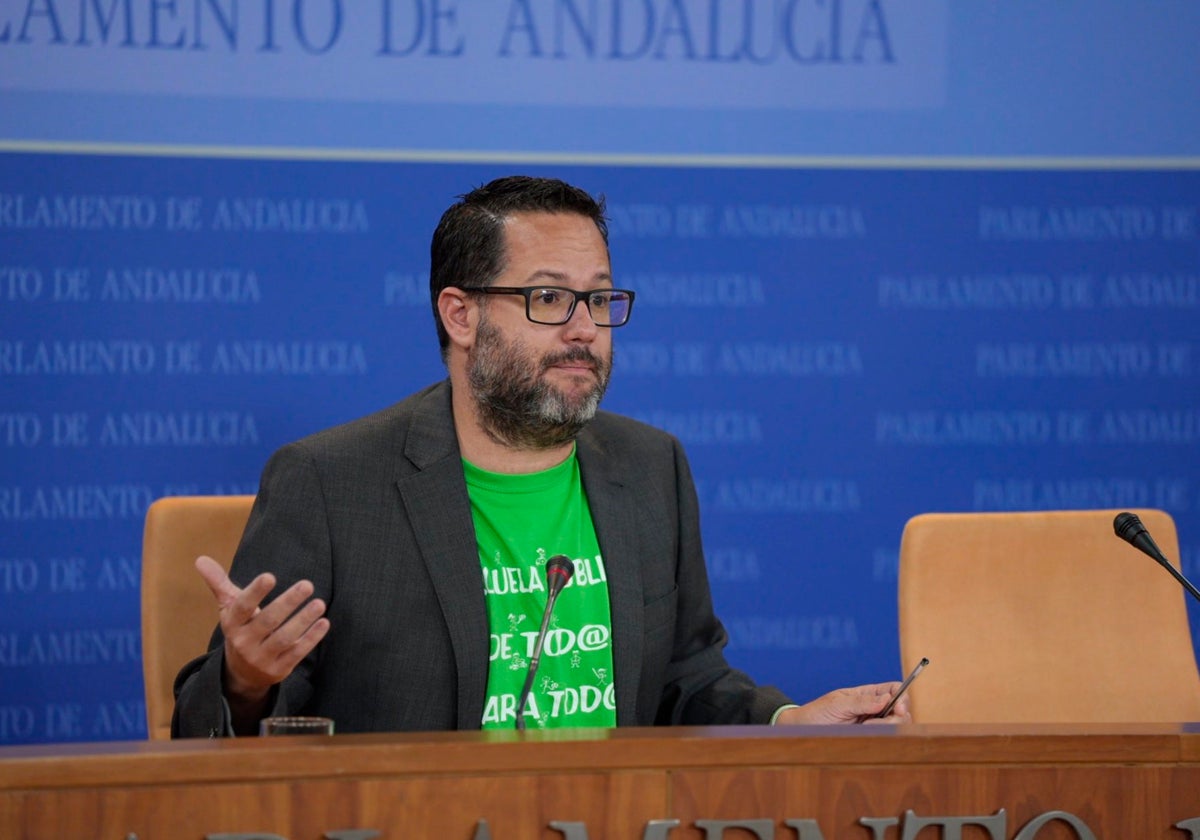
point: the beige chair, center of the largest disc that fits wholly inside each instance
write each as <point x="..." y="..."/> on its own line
<point x="1044" y="617"/>
<point x="178" y="610"/>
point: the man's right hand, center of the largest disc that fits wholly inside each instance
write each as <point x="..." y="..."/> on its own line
<point x="262" y="644"/>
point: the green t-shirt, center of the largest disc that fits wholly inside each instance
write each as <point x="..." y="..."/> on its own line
<point x="520" y="522"/>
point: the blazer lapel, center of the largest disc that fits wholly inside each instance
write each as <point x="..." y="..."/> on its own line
<point x="439" y="509"/>
<point x="614" y="510"/>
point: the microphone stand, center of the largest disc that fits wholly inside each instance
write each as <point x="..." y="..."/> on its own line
<point x="559" y="569"/>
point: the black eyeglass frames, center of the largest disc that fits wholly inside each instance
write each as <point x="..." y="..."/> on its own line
<point x="553" y="305"/>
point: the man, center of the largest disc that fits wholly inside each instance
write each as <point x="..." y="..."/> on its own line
<point x="380" y="531"/>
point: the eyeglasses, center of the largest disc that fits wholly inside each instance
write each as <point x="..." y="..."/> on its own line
<point x="555" y="305"/>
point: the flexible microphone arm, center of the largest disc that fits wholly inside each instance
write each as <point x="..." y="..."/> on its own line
<point x="559" y="569"/>
<point x="1128" y="527"/>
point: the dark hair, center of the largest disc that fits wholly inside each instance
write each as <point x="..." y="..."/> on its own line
<point x="468" y="245"/>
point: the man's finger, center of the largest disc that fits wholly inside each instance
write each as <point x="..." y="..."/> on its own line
<point x="299" y="635"/>
<point x="271" y="617"/>
<point x="312" y="636"/>
<point x="237" y="605"/>
<point x="881" y="694"/>
<point x="214" y="574"/>
<point x="283" y="661"/>
<point x="245" y="607"/>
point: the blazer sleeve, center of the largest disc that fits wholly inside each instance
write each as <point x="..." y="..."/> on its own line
<point x="701" y="688"/>
<point x="287" y="534"/>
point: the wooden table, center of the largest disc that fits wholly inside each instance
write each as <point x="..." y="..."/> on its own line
<point x="1024" y="782"/>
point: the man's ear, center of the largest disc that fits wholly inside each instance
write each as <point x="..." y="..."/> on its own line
<point x="459" y="314"/>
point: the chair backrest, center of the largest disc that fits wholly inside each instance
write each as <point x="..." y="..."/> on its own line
<point x="1044" y="617"/>
<point x="178" y="610"/>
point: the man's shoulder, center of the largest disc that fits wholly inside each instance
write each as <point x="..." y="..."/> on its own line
<point x="386" y="427"/>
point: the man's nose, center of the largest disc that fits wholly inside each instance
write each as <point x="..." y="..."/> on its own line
<point x="580" y="326"/>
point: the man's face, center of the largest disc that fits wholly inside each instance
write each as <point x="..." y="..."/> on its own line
<point x="536" y="385"/>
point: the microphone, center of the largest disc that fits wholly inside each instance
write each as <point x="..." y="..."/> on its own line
<point x="1129" y="528"/>
<point x="559" y="569"/>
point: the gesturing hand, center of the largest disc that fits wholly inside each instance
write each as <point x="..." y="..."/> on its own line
<point x="262" y="644"/>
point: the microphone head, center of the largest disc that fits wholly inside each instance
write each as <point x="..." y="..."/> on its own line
<point x="559" y="569"/>
<point x="1127" y="526"/>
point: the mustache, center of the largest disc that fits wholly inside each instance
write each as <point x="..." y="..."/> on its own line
<point x="574" y="354"/>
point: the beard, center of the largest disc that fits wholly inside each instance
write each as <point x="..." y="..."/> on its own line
<point x="517" y="406"/>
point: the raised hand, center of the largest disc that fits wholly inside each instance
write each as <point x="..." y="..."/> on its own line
<point x="262" y="644"/>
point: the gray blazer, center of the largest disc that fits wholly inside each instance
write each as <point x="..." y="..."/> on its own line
<point x="375" y="513"/>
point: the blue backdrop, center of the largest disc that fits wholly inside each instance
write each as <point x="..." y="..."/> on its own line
<point x="976" y="292"/>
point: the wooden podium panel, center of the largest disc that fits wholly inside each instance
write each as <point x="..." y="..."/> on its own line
<point x="441" y="807"/>
<point x="869" y="782"/>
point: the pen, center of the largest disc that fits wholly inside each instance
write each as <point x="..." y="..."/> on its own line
<point x="912" y="675"/>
